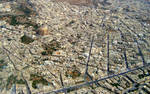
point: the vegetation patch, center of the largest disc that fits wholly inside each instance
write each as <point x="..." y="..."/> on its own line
<point x="115" y="84"/>
<point x="51" y="47"/>
<point x="37" y="79"/>
<point x="26" y="39"/>
<point x="80" y="58"/>
<point x="12" y="79"/>
<point x="13" y="21"/>
<point x="70" y="23"/>
<point x="23" y="16"/>
<point x="21" y="81"/>
<point x="143" y="75"/>
<point x="73" y="72"/>
<point x="71" y="89"/>
<point x="20" y="20"/>
<point x="2" y="65"/>
<point x="25" y="9"/>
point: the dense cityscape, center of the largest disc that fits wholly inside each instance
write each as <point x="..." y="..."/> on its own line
<point x="74" y="46"/>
